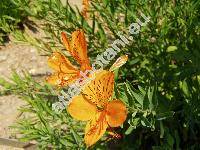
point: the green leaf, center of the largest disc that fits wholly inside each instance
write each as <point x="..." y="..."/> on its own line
<point x="177" y="140"/>
<point x="145" y="122"/>
<point x="134" y="122"/>
<point x="170" y="140"/>
<point x="184" y="87"/>
<point x="129" y="95"/>
<point x="162" y="130"/>
<point x="152" y="98"/>
<point x="165" y="115"/>
<point x="75" y="135"/>
<point x="171" y="48"/>
<point x="134" y="95"/>
<point x="129" y="130"/>
<point x="142" y="90"/>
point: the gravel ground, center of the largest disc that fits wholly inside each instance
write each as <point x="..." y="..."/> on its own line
<point x="9" y="148"/>
<point x="19" y="58"/>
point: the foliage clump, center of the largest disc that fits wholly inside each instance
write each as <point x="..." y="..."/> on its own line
<point x="160" y="83"/>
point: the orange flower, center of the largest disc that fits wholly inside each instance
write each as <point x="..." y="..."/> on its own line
<point x="95" y="106"/>
<point x="85" y="8"/>
<point x="67" y="73"/>
<point x="119" y="62"/>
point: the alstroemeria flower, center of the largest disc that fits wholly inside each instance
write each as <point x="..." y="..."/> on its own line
<point x="85" y="8"/>
<point x="96" y="106"/>
<point x="65" y="72"/>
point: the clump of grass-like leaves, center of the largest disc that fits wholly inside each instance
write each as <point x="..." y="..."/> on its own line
<point x="160" y="83"/>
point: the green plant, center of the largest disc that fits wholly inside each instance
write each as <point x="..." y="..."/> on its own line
<point x="160" y="83"/>
<point x="14" y="14"/>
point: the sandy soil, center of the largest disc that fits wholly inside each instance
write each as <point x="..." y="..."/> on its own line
<point x="19" y="58"/>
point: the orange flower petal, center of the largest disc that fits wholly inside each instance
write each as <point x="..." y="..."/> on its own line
<point x="95" y="129"/>
<point x="85" y="8"/>
<point x="61" y="79"/>
<point x="80" y="109"/>
<point x="119" y="62"/>
<point x="54" y="79"/>
<point x="66" y="41"/>
<point x="65" y="74"/>
<point x="60" y="63"/>
<point x="116" y="113"/>
<point x="77" y="48"/>
<point x="100" y="89"/>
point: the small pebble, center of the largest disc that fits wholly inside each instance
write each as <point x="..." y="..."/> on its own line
<point x="3" y="58"/>
<point x="32" y="71"/>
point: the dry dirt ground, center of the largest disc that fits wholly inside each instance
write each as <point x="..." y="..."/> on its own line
<point x="19" y="58"/>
